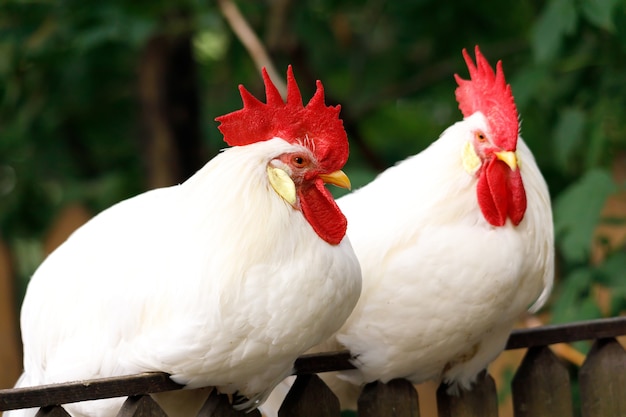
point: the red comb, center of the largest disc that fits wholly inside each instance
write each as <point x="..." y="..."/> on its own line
<point x="489" y="94"/>
<point x="315" y="126"/>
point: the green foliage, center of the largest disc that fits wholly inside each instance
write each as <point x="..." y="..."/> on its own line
<point x="568" y="137"/>
<point x="63" y="105"/>
<point x="69" y="110"/>
<point x="611" y="274"/>
<point x="575" y="296"/>
<point x="599" y="12"/>
<point x="576" y="81"/>
<point x="558" y="20"/>
<point x="577" y="212"/>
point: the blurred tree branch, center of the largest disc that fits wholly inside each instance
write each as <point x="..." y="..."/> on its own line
<point x="250" y="40"/>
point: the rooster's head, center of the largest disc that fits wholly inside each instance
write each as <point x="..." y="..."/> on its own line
<point x="320" y="150"/>
<point x="490" y="152"/>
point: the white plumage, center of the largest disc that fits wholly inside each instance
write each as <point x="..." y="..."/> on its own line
<point x="442" y="288"/>
<point x="442" y="285"/>
<point x="217" y="281"/>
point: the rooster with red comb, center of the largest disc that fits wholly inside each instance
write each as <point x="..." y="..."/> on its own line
<point x="223" y="280"/>
<point x="455" y="244"/>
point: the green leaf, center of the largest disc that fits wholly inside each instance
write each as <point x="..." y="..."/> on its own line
<point x="526" y="84"/>
<point x="599" y="12"/>
<point x="611" y="274"/>
<point x="558" y="19"/>
<point x="574" y="290"/>
<point x="619" y="23"/>
<point x="210" y="45"/>
<point x="587" y="309"/>
<point x="596" y="144"/>
<point x="618" y="301"/>
<point x="568" y="135"/>
<point x="611" y="271"/>
<point x="577" y="212"/>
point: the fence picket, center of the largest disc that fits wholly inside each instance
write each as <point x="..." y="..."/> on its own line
<point x="218" y="405"/>
<point x="481" y="401"/>
<point x="52" y="411"/>
<point x="541" y="386"/>
<point x="140" y="406"/>
<point x="603" y="380"/>
<point x="309" y="397"/>
<point x="397" y="398"/>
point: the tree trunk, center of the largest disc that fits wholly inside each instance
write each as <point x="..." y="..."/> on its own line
<point x="169" y="106"/>
<point x="10" y="352"/>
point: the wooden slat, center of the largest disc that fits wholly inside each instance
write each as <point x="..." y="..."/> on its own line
<point x="397" y="398"/>
<point x="603" y="380"/>
<point x="541" y="386"/>
<point x="309" y="397"/>
<point x="140" y="406"/>
<point x="481" y="401"/>
<point x="123" y="386"/>
<point x="570" y="332"/>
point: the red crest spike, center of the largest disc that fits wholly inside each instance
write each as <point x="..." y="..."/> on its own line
<point x="488" y="93"/>
<point x="272" y="95"/>
<point x="248" y="99"/>
<point x="293" y="92"/>
<point x="315" y="125"/>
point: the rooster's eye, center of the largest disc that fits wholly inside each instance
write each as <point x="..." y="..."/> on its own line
<point x="480" y="136"/>
<point x="298" y="161"/>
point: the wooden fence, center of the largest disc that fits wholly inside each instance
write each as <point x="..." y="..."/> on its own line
<point x="540" y="387"/>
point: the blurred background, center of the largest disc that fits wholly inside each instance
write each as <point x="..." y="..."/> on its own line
<point x="100" y="101"/>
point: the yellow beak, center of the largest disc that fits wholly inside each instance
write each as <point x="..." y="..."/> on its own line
<point x="338" y="178"/>
<point x="508" y="158"/>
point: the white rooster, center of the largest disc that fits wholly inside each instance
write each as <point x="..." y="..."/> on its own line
<point x="455" y="243"/>
<point x="223" y="280"/>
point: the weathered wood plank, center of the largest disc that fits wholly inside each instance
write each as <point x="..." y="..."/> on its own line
<point x="603" y="380"/>
<point x="158" y="382"/>
<point x="70" y="392"/>
<point x="219" y="405"/>
<point x="309" y="397"/>
<point x="541" y="386"/>
<point x="567" y="333"/>
<point x="397" y="398"/>
<point x="481" y="401"/>
<point x="140" y="406"/>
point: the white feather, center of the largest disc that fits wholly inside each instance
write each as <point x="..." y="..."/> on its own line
<point x="442" y="288"/>
<point x="217" y="281"/>
<point x="437" y="277"/>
